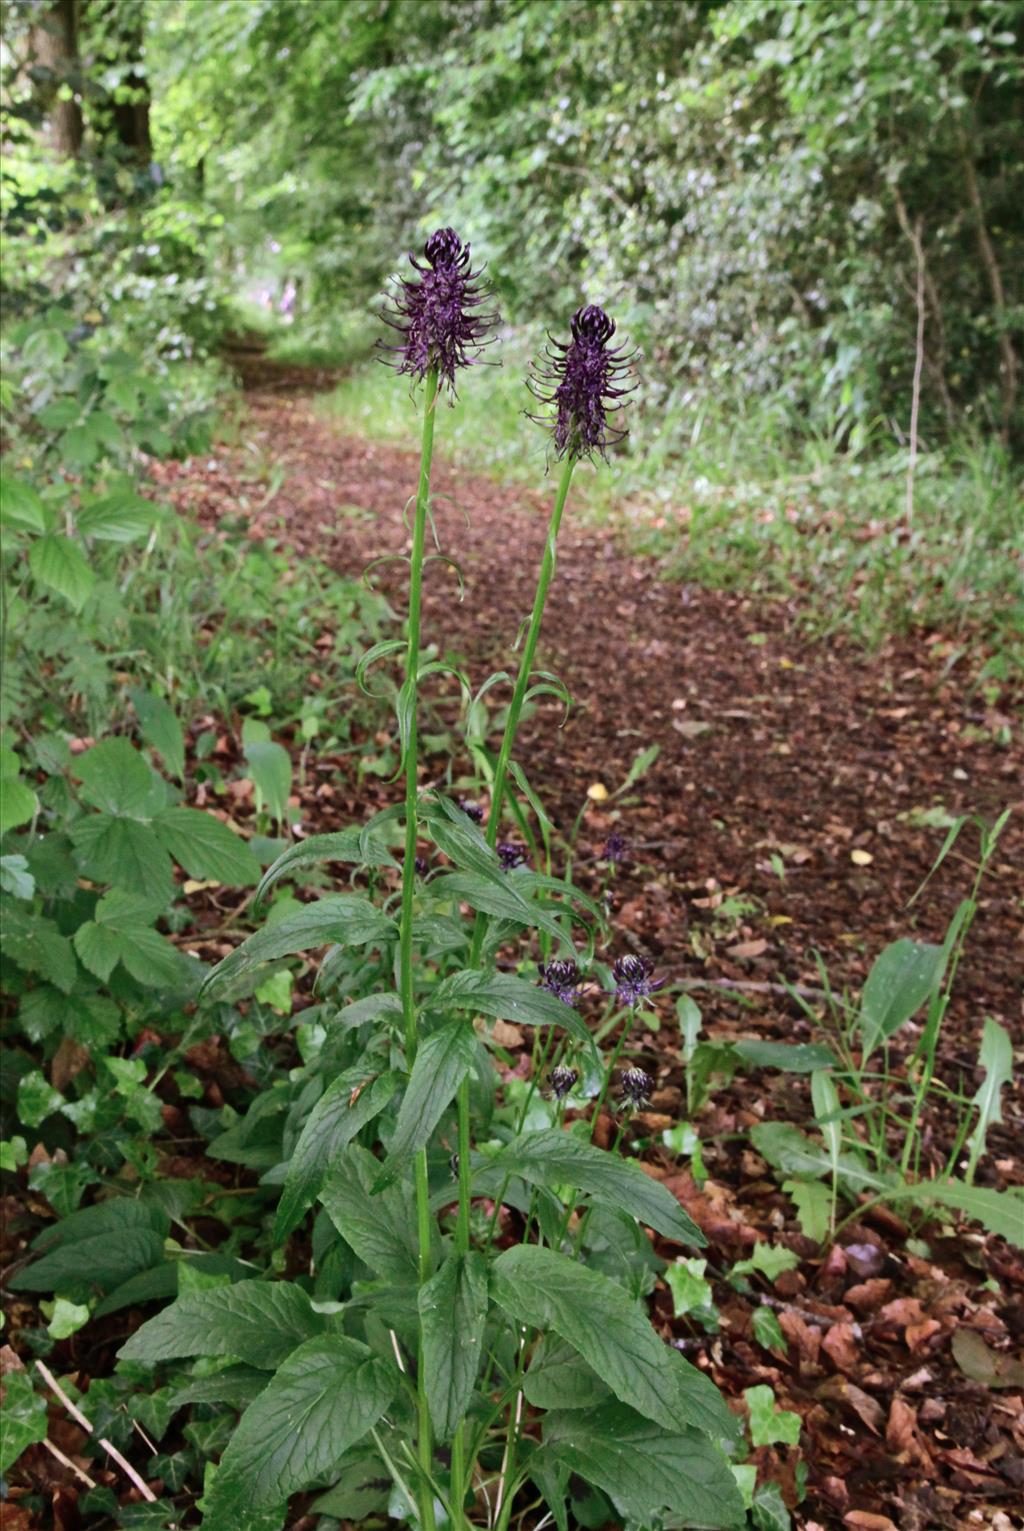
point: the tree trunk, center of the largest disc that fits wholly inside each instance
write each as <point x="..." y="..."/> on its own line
<point x="55" y="53"/>
<point x="1009" y="369"/>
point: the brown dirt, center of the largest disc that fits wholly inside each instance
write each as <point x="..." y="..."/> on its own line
<point x="823" y="757"/>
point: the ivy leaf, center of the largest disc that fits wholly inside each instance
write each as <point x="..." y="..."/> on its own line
<point x="768" y="1424"/>
<point x="261" y="1322"/>
<point x="24" y="1418"/>
<point x="453" y="1310"/>
<point x="324" y="1398"/>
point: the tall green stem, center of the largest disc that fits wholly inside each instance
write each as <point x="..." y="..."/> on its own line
<point x="408" y="703"/>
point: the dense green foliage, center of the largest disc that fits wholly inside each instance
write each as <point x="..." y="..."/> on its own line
<point x="376" y="1261"/>
<point x="743" y="182"/>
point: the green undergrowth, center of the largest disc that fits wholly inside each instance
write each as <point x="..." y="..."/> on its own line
<point x="738" y="502"/>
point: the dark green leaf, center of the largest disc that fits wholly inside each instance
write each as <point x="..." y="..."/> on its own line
<point x="60" y="564"/>
<point x="323" y="1400"/>
<point x="350" y="844"/>
<point x="554" y="1158"/>
<point x="442" y="1062"/>
<point x="645" y="1469"/>
<point x="161" y="729"/>
<point x="453" y="1310"/>
<point x="261" y="1322"/>
<point x="343" y="917"/>
<point x="206" y="848"/>
<point x="611" y="1332"/>
<point x="380" y="1228"/>
<point x="791" y="1057"/>
<point x="125" y="853"/>
<point x="330" y="1126"/>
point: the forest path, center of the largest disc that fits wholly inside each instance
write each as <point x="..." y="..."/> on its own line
<point x="788" y="809"/>
<point x="774" y="754"/>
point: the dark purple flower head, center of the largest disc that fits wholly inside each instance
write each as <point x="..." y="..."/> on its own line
<point x="472" y="811"/>
<point x="438" y="313"/>
<point x="562" y="978"/>
<point x="635" y="1089"/>
<point x="561" y="1080"/>
<point x="510" y="854"/>
<point x="633" y="985"/>
<point x="616" y="849"/>
<point x="579" y="385"/>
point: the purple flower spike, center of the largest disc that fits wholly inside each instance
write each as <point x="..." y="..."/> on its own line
<point x="616" y="849"/>
<point x="562" y="978"/>
<point x="437" y="313"/>
<point x="510" y="854"/>
<point x="561" y="1080"/>
<point x="633" y="985"/>
<point x="579" y="383"/>
<point x="635" y="1089"/>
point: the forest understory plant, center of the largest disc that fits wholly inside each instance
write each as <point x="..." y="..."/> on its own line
<point x="479" y="1363"/>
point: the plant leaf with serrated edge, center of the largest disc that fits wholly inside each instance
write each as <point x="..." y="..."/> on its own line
<point x="645" y="1469"/>
<point x="205" y="847"/>
<point x="261" y="1322"/>
<point x="123" y="852"/>
<point x="380" y="1228"/>
<point x="508" y="998"/>
<point x="1001" y="1212"/>
<point x="161" y="729"/>
<point x="442" y="1062"/>
<point x="497" y="898"/>
<point x="453" y="1311"/>
<point x="60" y="564"/>
<point x="330" y="1126"/>
<point x="612" y="1334"/>
<point x="323" y="1399"/>
<point x="554" y="1158"/>
<point x="342" y="845"/>
<point x="343" y="917"/>
<point x="115" y="778"/>
<point x="559" y="1378"/>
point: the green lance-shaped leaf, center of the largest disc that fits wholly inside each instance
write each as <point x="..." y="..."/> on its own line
<point x="902" y="977"/>
<point x="353" y="844"/>
<point x="380" y="1228"/>
<point x="343" y="917"/>
<point x="1001" y="1212"/>
<point x="559" y="1378"/>
<point x="509" y="998"/>
<point x="556" y="1158"/>
<point x="500" y="899"/>
<point x="261" y="1322"/>
<point x="453" y="1310"/>
<point x="644" y="1469"/>
<point x="442" y="1062"/>
<point x="325" y="1397"/>
<point x="996" y="1058"/>
<point x="330" y="1126"/>
<point x="612" y="1334"/>
<point x="161" y="729"/>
